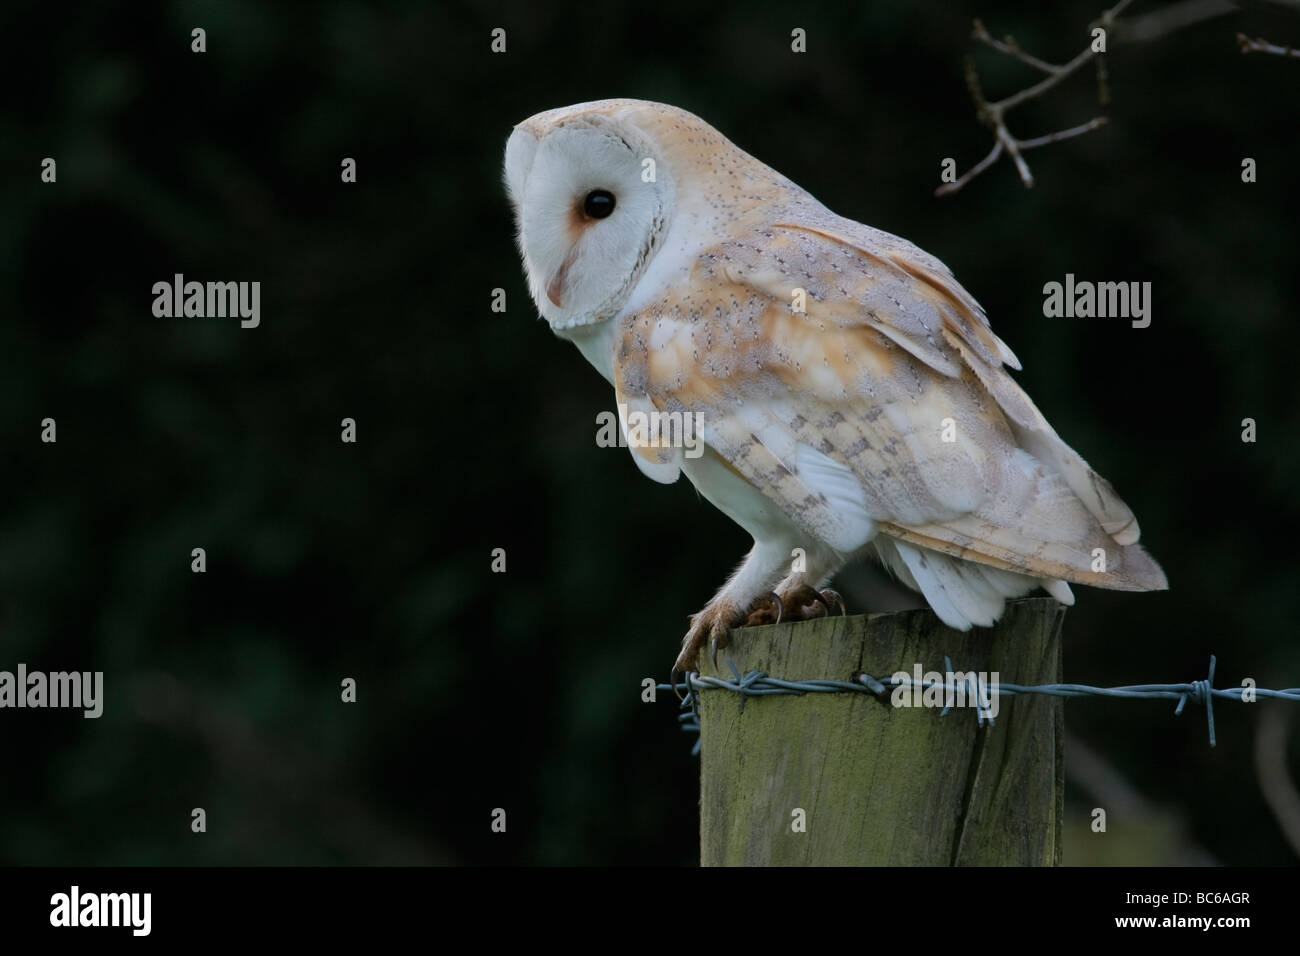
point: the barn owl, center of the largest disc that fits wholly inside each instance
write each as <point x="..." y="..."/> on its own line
<point x="852" y="399"/>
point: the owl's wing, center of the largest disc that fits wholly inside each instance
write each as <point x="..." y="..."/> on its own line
<point x="883" y="406"/>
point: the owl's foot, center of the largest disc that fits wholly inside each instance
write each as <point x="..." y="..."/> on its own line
<point x="804" y="602"/>
<point x="714" y="625"/>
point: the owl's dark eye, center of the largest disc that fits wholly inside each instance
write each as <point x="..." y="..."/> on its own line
<point x="598" y="204"/>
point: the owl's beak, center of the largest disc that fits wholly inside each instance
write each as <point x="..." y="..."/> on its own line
<point x="555" y="289"/>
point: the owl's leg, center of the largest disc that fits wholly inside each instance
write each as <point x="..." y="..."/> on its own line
<point x="731" y="605"/>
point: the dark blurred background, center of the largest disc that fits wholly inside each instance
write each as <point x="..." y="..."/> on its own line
<point x="372" y="560"/>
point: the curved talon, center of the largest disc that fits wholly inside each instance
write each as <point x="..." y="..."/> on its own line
<point x="672" y="682"/>
<point x="780" y="606"/>
<point x="713" y="624"/>
<point x="829" y="594"/>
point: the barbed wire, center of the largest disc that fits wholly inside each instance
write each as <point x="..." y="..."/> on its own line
<point x="759" y="684"/>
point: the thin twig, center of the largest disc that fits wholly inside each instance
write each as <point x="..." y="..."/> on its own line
<point x="1160" y="23"/>
<point x="974" y="171"/>
<point x="1260" y="45"/>
<point x="993" y="115"/>
<point x="1011" y="48"/>
<point x="1079" y="130"/>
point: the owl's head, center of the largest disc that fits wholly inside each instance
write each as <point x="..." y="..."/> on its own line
<point x="593" y="200"/>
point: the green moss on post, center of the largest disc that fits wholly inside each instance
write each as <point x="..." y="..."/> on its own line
<point x="880" y="785"/>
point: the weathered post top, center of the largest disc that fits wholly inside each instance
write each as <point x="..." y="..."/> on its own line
<point x="853" y="779"/>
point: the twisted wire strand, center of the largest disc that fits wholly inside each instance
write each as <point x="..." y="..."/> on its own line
<point x="759" y="684"/>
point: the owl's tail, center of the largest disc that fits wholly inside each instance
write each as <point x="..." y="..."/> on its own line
<point x="962" y="593"/>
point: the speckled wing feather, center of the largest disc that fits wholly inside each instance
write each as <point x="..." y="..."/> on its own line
<point x="838" y="413"/>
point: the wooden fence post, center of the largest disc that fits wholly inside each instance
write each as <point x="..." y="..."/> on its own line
<point x="878" y="784"/>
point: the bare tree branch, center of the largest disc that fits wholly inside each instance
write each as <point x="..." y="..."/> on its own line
<point x="1176" y="16"/>
<point x="1260" y="45"/>
<point x="993" y="114"/>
